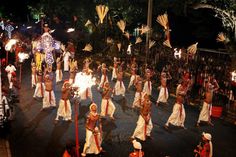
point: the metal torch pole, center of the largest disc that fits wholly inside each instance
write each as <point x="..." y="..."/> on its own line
<point x="76" y="128"/>
<point x="149" y="24"/>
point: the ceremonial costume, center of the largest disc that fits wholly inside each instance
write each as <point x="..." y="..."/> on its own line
<point x="138" y="150"/>
<point x="33" y="76"/>
<point x="39" y="90"/>
<point x="147" y="88"/>
<point x="66" y="60"/>
<point x="205" y="113"/>
<point x="144" y="123"/>
<point x="49" y="99"/>
<point x="104" y="77"/>
<point x="93" y="135"/>
<point x="177" y="116"/>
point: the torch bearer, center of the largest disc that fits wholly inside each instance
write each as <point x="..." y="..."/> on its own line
<point x="22" y="56"/>
<point x="82" y="82"/>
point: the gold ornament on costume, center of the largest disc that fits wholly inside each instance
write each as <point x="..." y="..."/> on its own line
<point x="192" y="49"/>
<point x="88" y="48"/>
<point x="121" y="24"/>
<point x="101" y="11"/>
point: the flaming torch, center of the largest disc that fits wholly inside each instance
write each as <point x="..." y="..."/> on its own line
<point x="82" y="82"/>
<point x="233" y="74"/>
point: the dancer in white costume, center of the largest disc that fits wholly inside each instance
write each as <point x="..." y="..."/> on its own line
<point x="138" y="98"/>
<point x="177" y="116"/>
<point x="87" y="93"/>
<point x="119" y="88"/>
<point x="66" y="59"/>
<point x="147" y="88"/>
<point x="163" y="94"/>
<point x="134" y="75"/>
<point x="59" y="74"/>
<point x="93" y="132"/>
<point x="144" y="123"/>
<point x="107" y="106"/>
<point x="40" y="87"/>
<point x="205" y="114"/>
<point x="115" y="69"/>
<point x="49" y="99"/>
<point x="104" y="77"/>
<point x="64" y="109"/>
<point x="10" y="69"/>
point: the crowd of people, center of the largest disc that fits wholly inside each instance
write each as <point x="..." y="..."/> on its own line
<point x="182" y="78"/>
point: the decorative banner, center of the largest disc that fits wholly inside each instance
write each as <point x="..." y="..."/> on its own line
<point x="102" y="11"/>
<point x="88" y="48"/>
<point x="88" y="23"/>
<point x="167" y="43"/>
<point x="121" y="24"/>
<point x="138" y="40"/>
<point x="9" y="28"/>
<point x="2" y="25"/>
<point x="151" y="43"/>
<point x="192" y="49"/>
<point x="163" y="20"/>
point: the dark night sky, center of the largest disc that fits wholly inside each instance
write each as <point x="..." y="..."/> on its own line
<point x="184" y="31"/>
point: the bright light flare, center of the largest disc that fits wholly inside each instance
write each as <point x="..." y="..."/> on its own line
<point x="22" y="56"/>
<point x="69" y="30"/>
<point x="82" y="82"/>
<point x="51" y="31"/>
<point x="10" y="43"/>
<point x="233" y="76"/>
<point x="177" y="54"/>
<point x="29" y="27"/>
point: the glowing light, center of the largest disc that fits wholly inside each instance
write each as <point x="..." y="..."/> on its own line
<point x="22" y="56"/>
<point x="10" y="43"/>
<point x="2" y="25"/>
<point x="177" y="54"/>
<point x="82" y="82"/>
<point x="29" y="27"/>
<point x="69" y="30"/>
<point x="233" y="76"/>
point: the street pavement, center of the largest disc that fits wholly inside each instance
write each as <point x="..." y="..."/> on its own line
<point x="34" y="134"/>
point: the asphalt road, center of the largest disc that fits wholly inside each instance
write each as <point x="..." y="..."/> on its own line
<point x="34" y="134"/>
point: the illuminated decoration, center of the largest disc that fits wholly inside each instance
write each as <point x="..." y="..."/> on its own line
<point x="167" y="43"/>
<point x="22" y="56"/>
<point x="101" y="11"/>
<point x="151" y="44"/>
<point x="47" y="43"/>
<point x="233" y="76"/>
<point x="88" y="23"/>
<point x="88" y="48"/>
<point x="177" y="54"/>
<point x="51" y="31"/>
<point x="10" y="43"/>
<point x="2" y="25"/>
<point x="29" y="27"/>
<point x="69" y="30"/>
<point x="9" y="28"/>
<point x="82" y="82"/>
<point x="121" y="24"/>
